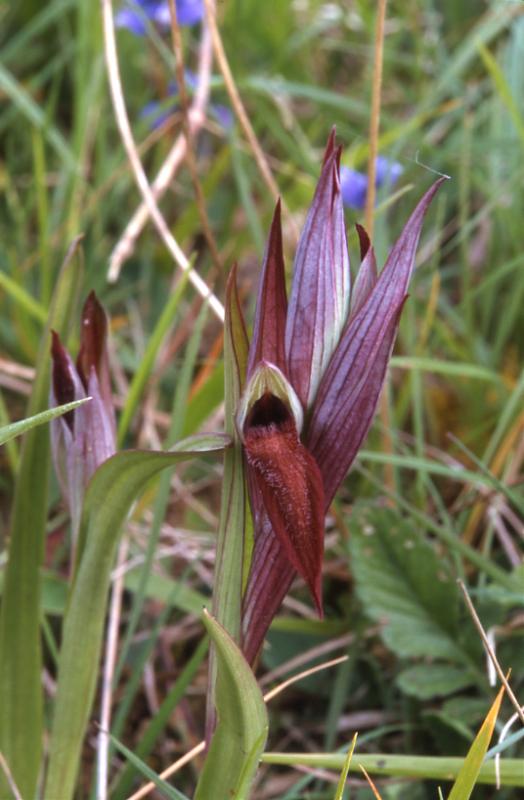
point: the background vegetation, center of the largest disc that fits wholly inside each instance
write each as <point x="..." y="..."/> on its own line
<point x="420" y="507"/>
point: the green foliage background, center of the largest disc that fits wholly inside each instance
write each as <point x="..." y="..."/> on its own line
<point x="453" y="102"/>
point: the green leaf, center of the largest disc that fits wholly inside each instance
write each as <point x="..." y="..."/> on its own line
<point x="22" y="298"/>
<point x="242" y="726"/>
<point x="426" y="681"/>
<point x="21" y="708"/>
<point x="158" y="724"/>
<point x="345" y="770"/>
<point x="423" y="768"/>
<point x="110" y="493"/>
<point x="166" y="790"/>
<point x="147" y="361"/>
<point x="227" y="587"/>
<point x="18" y="428"/>
<point x="405" y="585"/>
<point x="470" y="769"/>
<point x="160" y="587"/>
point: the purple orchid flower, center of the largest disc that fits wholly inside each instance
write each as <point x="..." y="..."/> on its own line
<point x="354" y="184"/>
<point x="314" y="375"/>
<point x="82" y="439"/>
<point x="135" y="14"/>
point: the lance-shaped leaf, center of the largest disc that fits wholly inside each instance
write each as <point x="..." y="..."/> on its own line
<point x="351" y="385"/>
<point x="470" y="769"/>
<point x="319" y="301"/>
<point x="14" y="429"/>
<point x="231" y="537"/>
<point x="112" y="490"/>
<point x="227" y="590"/>
<point x="21" y="703"/>
<point x="242" y="727"/>
<point x="290" y="485"/>
<point x="267" y="342"/>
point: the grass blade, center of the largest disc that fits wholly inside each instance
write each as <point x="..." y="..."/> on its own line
<point x="9" y="432"/>
<point x="20" y="648"/>
<point x="469" y="771"/>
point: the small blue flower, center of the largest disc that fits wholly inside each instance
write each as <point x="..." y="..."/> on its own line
<point x="223" y="115"/>
<point x="354" y="184"/>
<point x="135" y="14"/>
<point x="156" y="113"/>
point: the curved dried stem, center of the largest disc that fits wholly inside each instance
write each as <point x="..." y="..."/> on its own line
<point x="238" y="107"/>
<point x="134" y="159"/>
<point x="188" y="134"/>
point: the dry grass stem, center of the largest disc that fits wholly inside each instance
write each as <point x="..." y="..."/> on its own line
<point x="181" y="762"/>
<point x="490" y="651"/>
<point x="128" y="141"/>
<point x="106" y="702"/>
<point x="191" y="160"/>
<point x="371" y="784"/>
<point x="7" y="772"/>
<point x="374" y="122"/>
<point x="240" y="111"/>
<point x="125" y="246"/>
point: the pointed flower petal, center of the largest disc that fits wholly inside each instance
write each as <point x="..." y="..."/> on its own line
<point x="269" y="581"/>
<point x="86" y="437"/>
<point x="351" y="386"/>
<point x="270" y="318"/>
<point x="290" y="484"/>
<point x="93" y="353"/>
<point x="64" y="382"/>
<point x="367" y="274"/>
<point x="319" y="301"/>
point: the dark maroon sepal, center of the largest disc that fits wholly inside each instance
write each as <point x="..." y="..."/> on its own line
<point x="93" y="337"/>
<point x="267" y="343"/>
<point x="62" y="377"/>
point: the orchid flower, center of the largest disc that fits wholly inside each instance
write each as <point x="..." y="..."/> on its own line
<point x="354" y="184"/>
<point x="82" y="439"/>
<point x="315" y="369"/>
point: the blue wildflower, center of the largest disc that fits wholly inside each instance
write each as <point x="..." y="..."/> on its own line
<point x="354" y="184"/>
<point x="135" y="14"/>
<point x="157" y="113"/>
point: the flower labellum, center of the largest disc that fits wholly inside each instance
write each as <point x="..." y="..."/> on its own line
<point x="314" y="375"/>
<point x="283" y="471"/>
<point x="82" y="439"/>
